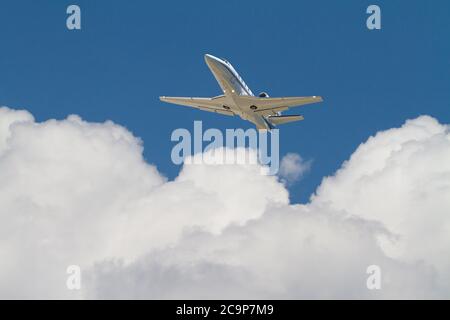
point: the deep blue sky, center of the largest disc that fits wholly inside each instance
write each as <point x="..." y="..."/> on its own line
<point x="130" y="52"/>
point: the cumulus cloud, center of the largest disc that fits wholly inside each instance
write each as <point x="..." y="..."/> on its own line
<point x="401" y="177"/>
<point x="73" y="192"/>
<point x="293" y="167"/>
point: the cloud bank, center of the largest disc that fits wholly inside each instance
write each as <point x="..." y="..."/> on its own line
<point x="73" y="192"/>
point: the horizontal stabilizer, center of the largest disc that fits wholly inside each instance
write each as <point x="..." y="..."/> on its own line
<point x="277" y="120"/>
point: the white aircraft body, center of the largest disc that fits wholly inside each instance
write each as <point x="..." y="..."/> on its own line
<point x="238" y="99"/>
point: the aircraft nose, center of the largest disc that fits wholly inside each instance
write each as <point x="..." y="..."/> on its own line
<point x="211" y="61"/>
<point x="214" y="63"/>
<point x="209" y="58"/>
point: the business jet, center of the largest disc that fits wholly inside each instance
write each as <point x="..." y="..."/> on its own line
<point x="238" y="99"/>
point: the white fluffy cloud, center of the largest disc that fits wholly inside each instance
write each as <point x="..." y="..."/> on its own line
<point x="73" y="192"/>
<point x="293" y="167"/>
<point x="401" y="177"/>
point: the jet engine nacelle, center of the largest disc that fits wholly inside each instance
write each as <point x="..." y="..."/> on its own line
<point x="263" y="95"/>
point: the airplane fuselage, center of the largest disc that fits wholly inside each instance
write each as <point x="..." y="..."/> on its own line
<point x="233" y="87"/>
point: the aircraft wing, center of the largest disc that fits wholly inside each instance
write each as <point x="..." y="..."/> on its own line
<point x="215" y="104"/>
<point x="270" y="106"/>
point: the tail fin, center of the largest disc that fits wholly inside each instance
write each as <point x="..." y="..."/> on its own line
<point x="277" y="120"/>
